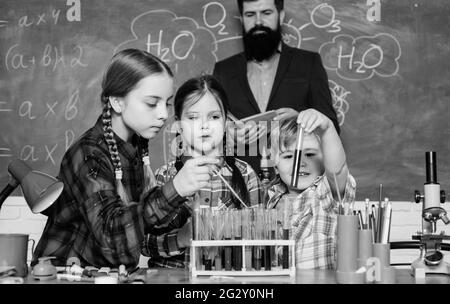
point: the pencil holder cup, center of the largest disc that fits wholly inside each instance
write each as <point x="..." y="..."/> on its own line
<point x="347" y="250"/>
<point x="386" y="275"/>
<point x="364" y="246"/>
<point x="383" y="253"/>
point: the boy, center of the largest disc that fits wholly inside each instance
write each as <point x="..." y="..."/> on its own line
<point x="314" y="203"/>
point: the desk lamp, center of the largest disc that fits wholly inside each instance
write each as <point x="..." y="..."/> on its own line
<point x="39" y="189"/>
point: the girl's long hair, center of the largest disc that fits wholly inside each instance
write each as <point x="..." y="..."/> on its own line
<point x="123" y="73"/>
<point x="187" y="95"/>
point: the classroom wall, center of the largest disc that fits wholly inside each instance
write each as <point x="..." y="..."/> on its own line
<point x="16" y="217"/>
<point x="389" y="78"/>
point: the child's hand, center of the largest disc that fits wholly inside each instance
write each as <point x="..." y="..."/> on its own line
<point x="312" y="119"/>
<point x="194" y="175"/>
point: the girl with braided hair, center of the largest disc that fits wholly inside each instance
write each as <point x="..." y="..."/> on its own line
<point x="110" y="198"/>
<point x="201" y="108"/>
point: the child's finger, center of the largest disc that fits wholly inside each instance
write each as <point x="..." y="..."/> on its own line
<point x="314" y="126"/>
<point x="203" y="184"/>
<point x="203" y="160"/>
<point x="202" y="169"/>
<point x="204" y="177"/>
<point x="309" y="120"/>
<point x="300" y="117"/>
<point x="312" y="123"/>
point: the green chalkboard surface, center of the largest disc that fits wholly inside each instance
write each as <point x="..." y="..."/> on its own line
<point x="389" y="74"/>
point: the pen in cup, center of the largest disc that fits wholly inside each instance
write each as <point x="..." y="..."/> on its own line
<point x="387" y="215"/>
<point x="367" y="213"/>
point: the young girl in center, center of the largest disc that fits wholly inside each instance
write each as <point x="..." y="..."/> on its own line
<point x="200" y="108"/>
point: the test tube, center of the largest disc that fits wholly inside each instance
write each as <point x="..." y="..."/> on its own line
<point x="286" y="225"/>
<point x="207" y="235"/>
<point x="259" y="222"/>
<point x="267" y="236"/>
<point x="247" y="235"/>
<point x="273" y="236"/>
<point x="196" y="224"/>
<point x="218" y="232"/>
<point x="237" y="233"/>
<point x="227" y="236"/>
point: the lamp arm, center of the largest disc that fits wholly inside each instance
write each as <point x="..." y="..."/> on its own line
<point x="13" y="183"/>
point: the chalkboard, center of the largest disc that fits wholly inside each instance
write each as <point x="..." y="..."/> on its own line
<point x="387" y="62"/>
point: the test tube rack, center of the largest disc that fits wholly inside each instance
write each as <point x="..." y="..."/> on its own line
<point x="195" y="271"/>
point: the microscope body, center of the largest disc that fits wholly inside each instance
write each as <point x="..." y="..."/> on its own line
<point x="431" y="258"/>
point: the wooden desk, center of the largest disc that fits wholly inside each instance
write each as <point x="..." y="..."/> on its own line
<point x="176" y="276"/>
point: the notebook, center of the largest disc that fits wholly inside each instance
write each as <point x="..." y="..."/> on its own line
<point x="266" y="116"/>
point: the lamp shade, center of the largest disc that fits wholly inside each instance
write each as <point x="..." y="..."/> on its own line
<point x="40" y="190"/>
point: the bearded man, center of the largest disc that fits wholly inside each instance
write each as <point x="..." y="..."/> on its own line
<point x="270" y="75"/>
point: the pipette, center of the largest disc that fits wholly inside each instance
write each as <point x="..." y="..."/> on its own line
<point x="229" y="187"/>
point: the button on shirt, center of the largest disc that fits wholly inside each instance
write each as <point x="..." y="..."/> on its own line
<point x="261" y="76"/>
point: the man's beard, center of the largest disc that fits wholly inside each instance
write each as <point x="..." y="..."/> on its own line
<point x="261" y="46"/>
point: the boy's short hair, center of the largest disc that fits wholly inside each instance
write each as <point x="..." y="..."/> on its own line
<point x="283" y="137"/>
<point x="279" y="4"/>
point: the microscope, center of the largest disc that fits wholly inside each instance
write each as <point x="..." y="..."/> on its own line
<point x="431" y="258"/>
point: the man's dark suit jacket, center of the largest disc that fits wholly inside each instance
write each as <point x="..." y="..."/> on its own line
<point x="300" y="83"/>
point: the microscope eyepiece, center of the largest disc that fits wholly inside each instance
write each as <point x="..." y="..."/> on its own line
<point x="430" y="162"/>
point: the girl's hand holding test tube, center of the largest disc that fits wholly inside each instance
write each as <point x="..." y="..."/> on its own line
<point x="194" y="175"/>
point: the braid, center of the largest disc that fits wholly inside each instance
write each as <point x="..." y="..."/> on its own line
<point x="112" y="148"/>
<point x="238" y="182"/>
<point x="149" y="175"/>
<point x="109" y="137"/>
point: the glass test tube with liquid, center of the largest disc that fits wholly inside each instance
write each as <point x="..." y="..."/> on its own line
<point x="227" y="236"/>
<point x="247" y="235"/>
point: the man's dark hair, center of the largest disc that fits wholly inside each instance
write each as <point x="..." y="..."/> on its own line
<point x="278" y="4"/>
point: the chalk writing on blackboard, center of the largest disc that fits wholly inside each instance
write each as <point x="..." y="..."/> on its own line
<point x="362" y="57"/>
<point x="5" y="152"/>
<point x="339" y="95"/>
<point x="184" y="35"/>
<point x="332" y="25"/>
<point x="323" y="17"/>
<point x="39" y="19"/>
<point x="215" y="24"/>
<point x="50" y="56"/>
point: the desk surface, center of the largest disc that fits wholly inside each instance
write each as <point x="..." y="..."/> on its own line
<point x="177" y="276"/>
